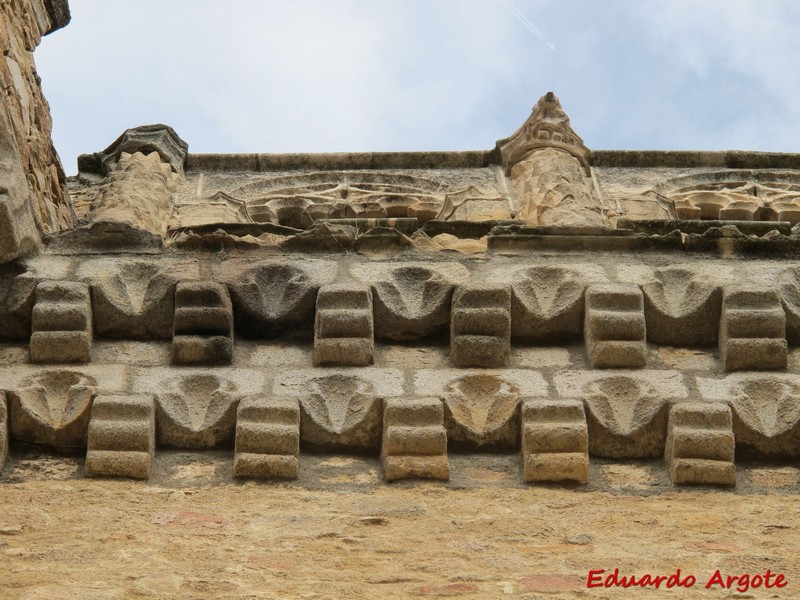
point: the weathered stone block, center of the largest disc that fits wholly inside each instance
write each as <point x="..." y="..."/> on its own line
<point x="267" y="438"/>
<point x="480" y="326"/>
<point x="614" y="326"/>
<point x="341" y="412"/>
<point x="682" y="308"/>
<point x="203" y="324"/>
<point x="275" y="298"/>
<point x="61" y="322"/>
<point x="343" y="327"/>
<point x="133" y="299"/>
<point x="414" y="439"/>
<point x="700" y="444"/>
<point x="17" y="296"/>
<point x="482" y="411"/>
<point x="555" y="441"/>
<point x="52" y="408"/>
<point x="411" y="301"/>
<point x="752" y="329"/>
<point x="122" y="437"/>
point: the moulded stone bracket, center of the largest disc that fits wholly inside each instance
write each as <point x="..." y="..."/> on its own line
<point x="122" y="437"/>
<point x="700" y="444"/>
<point x="203" y="325"/>
<point x="343" y="326"/>
<point x="752" y="329"/>
<point x="480" y="326"/>
<point x="61" y="322"/>
<point x="614" y="326"/>
<point x="555" y="441"/>
<point x="414" y="439"/>
<point x="267" y="438"/>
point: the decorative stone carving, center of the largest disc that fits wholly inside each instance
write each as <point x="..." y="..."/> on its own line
<point x="61" y="322"/>
<point x="277" y="297"/>
<point x="145" y="139"/>
<point x="626" y="411"/>
<point x="197" y="410"/>
<point x="555" y="441"/>
<point x="267" y="438"/>
<point x="682" y="308"/>
<point x="752" y="332"/>
<point x="299" y="200"/>
<point x="473" y="204"/>
<point x="134" y="299"/>
<point x="766" y="410"/>
<point x="341" y="412"/>
<point x="17" y="295"/>
<point x="137" y="192"/>
<point x="414" y="439"/>
<point x="203" y="326"/>
<point x="614" y="328"/>
<point x="480" y="326"/>
<point x="700" y="444"/>
<point x="52" y="408"/>
<point x="717" y="203"/>
<point x="122" y="437"/>
<point x="412" y="300"/>
<point x="221" y="208"/>
<point x="549" y="169"/>
<point x="482" y="411"/>
<point x="343" y="327"/>
<point x="547" y="304"/>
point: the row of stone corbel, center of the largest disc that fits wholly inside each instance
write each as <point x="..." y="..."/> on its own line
<point x="752" y="324"/>
<point x="121" y="439"/>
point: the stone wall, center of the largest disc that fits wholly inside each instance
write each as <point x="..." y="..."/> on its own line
<point x="33" y="197"/>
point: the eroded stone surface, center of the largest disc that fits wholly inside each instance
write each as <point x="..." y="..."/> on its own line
<point x="267" y="438"/>
<point x="344" y="331"/>
<point x="412" y="300"/>
<point x="480" y="326"/>
<point x="752" y="332"/>
<point x="682" y="308"/>
<point x="700" y="444"/>
<point x="614" y="326"/>
<point x="121" y="437"/>
<point x="555" y="441"/>
<point x="276" y="297"/>
<point x="414" y="439"/>
<point x="52" y="408"/>
<point x="766" y="409"/>
<point x="626" y="411"/>
<point x="61" y="323"/>
<point x="203" y="324"/>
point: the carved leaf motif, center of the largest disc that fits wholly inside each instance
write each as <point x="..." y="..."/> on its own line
<point x="339" y="403"/>
<point x="482" y="403"/>
<point x="199" y="402"/>
<point x="414" y="291"/>
<point x="57" y="399"/>
<point x="620" y="404"/>
<point x="677" y="292"/>
<point x="768" y="406"/>
<point x="548" y="291"/>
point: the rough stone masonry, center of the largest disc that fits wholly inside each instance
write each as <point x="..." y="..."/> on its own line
<point x="536" y="298"/>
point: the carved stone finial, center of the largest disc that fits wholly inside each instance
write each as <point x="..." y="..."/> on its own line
<point x="547" y="127"/>
<point x="145" y="139"/>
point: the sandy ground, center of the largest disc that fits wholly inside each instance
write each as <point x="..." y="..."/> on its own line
<point x="339" y="532"/>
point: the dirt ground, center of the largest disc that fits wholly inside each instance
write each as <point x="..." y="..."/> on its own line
<point x="340" y="532"/>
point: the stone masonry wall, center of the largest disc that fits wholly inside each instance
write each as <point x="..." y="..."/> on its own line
<point x="33" y="197"/>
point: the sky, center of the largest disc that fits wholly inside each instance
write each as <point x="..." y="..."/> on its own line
<point x="402" y="75"/>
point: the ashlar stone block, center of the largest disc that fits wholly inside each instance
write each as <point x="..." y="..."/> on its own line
<point x="414" y="439"/>
<point x="555" y="441"/>
<point x="122" y="437"/>
<point x="480" y="326"/>
<point x="700" y="444"/>
<point x="752" y="334"/>
<point x="343" y="327"/>
<point x="203" y="325"/>
<point x="267" y="438"/>
<point x="614" y="326"/>
<point x="61" y="323"/>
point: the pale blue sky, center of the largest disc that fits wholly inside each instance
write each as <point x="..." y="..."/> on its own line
<point x="361" y="75"/>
